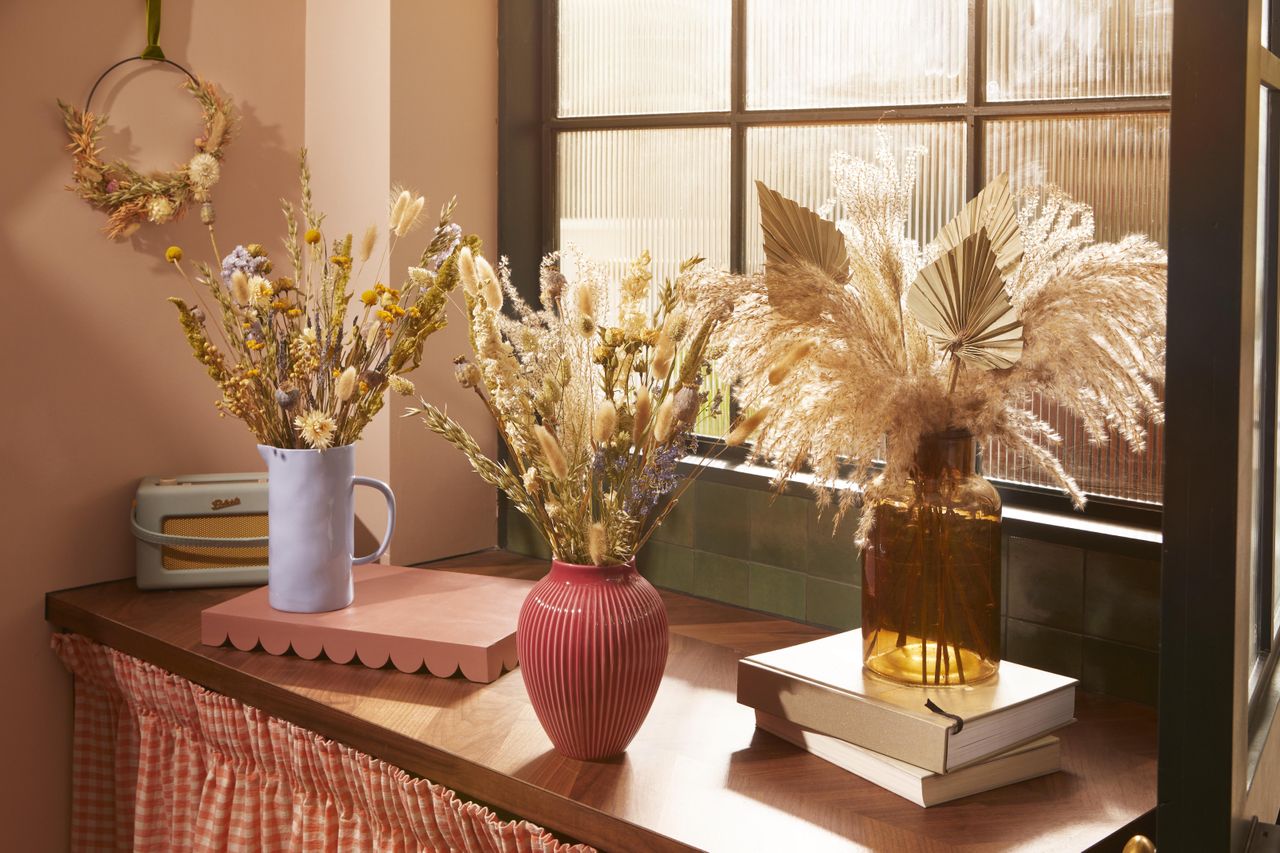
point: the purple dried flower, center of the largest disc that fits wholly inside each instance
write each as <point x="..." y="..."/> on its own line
<point x="240" y="260"/>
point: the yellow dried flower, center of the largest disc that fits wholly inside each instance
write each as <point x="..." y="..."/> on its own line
<point x="343" y="261"/>
<point x="551" y="452"/>
<point x="294" y="312"/>
<point x="604" y="423"/>
<point x="346" y="384"/>
<point x="311" y="237"/>
<point x="385" y="316"/>
<point x="317" y="428"/>
<point x="173" y="254"/>
<point x="256" y="250"/>
<point x="254" y="344"/>
<point x="368" y="297"/>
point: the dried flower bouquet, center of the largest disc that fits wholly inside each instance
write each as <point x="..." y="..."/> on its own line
<point x="1012" y="300"/>
<point x="290" y="357"/>
<point x="596" y="408"/>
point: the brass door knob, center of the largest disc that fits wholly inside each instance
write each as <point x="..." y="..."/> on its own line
<point x="1139" y="844"/>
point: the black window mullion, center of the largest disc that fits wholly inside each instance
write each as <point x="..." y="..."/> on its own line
<point x="738" y="138"/>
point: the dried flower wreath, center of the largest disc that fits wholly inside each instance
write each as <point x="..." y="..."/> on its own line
<point x="130" y="198"/>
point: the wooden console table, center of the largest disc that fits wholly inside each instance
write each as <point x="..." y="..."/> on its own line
<point x="698" y="776"/>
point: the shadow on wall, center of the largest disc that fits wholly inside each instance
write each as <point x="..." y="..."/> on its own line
<point x="100" y="385"/>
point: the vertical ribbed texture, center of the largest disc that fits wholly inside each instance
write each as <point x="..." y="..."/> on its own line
<point x="815" y="53"/>
<point x="1119" y="165"/>
<point x="621" y="192"/>
<point x="795" y="161"/>
<point x="1078" y="49"/>
<point x="593" y="646"/>
<point x="627" y="57"/>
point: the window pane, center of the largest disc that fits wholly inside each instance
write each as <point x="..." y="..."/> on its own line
<point x="1120" y="165"/>
<point x="795" y="161"/>
<point x="621" y="192"/>
<point x="1077" y="48"/>
<point x="815" y="53"/>
<point x="623" y="57"/>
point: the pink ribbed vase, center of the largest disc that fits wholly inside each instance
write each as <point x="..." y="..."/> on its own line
<point x="593" y="645"/>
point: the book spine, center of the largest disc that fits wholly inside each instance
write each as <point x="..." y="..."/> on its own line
<point x="843" y="716"/>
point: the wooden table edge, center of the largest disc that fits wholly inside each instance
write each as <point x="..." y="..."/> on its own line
<point x="557" y="814"/>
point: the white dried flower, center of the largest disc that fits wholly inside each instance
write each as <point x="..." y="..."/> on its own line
<point x="345" y="386"/>
<point x="159" y="210"/>
<point x="203" y="171"/>
<point x="317" y="428"/>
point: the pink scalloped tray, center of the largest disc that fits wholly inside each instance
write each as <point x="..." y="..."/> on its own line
<point x="445" y="621"/>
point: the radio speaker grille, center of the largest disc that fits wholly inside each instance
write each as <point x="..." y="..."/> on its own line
<point x="214" y="526"/>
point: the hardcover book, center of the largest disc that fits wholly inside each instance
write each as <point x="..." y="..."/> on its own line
<point x="922" y="787"/>
<point x="821" y="686"/>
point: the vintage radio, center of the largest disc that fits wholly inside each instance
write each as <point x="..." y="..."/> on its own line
<point x="201" y="530"/>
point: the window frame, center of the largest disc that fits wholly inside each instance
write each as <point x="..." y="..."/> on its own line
<point x="529" y="124"/>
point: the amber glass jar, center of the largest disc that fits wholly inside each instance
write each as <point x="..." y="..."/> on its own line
<point x="931" y="571"/>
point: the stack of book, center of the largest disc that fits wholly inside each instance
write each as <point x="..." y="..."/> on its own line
<point x="929" y="745"/>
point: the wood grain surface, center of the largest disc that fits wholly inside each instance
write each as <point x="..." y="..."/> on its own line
<point x="698" y="775"/>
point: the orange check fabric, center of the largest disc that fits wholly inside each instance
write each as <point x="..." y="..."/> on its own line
<point x="160" y="763"/>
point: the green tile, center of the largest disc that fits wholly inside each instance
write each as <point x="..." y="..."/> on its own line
<point x="669" y="566"/>
<point x="724" y="519"/>
<point x="1122" y="599"/>
<point x="1043" y="648"/>
<point x="775" y="590"/>
<point x="832" y="605"/>
<point x="721" y="578"/>
<point x="678" y="527"/>
<point x="524" y="538"/>
<point x="1046" y="583"/>
<point x="1120" y="670"/>
<point x="780" y="530"/>
<point x="833" y="553"/>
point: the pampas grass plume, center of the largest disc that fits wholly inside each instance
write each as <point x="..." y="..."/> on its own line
<point x="551" y="452"/>
<point x="789" y="360"/>
<point x="367" y="243"/>
<point x="643" y="411"/>
<point x="346" y="384"/>
<point x="240" y="287"/>
<point x="747" y="426"/>
<point x="488" y="283"/>
<point x="597" y="543"/>
<point x="664" y="354"/>
<point x="664" y="425"/>
<point x="467" y="271"/>
<point x="604" y="423"/>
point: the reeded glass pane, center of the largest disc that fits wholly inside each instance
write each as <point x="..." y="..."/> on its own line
<point x="1045" y="49"/>
<point x="795" y="161"/>
<point x="815" y="53"/>
<point x="621" y="192"/>
<point x="1120" y="165"/>
<point x="623" y="57"/>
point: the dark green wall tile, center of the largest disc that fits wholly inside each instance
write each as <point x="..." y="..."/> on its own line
<point x="1046" y="583"/>
<point x="833" y="554"/>
<point x="721" y="578"/>
<point x="669" y="566"/>
<point x="1120" y="670"/>
<point x="832" y="605"/>
<point x="1043" y="648"/>
<point x="524" y="538"/>
<point x="724" y="519"/>
<point x="679" y="526"/>
<point x="1122" y="599"/>
<point x="780" y="530"/>
<point x="775" y="590"/>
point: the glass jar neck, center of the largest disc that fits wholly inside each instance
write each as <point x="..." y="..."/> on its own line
<point x="940" y="454"/>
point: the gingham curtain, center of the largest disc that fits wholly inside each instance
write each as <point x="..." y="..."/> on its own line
<point x="160" y="763"/>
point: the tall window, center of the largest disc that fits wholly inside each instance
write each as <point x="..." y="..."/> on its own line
<point x="663" y="112"/>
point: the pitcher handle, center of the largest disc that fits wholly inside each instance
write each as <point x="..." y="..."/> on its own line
<point x="391" y="517"/>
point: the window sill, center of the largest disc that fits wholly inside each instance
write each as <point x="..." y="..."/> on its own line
<point x="1064" y="528"/>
